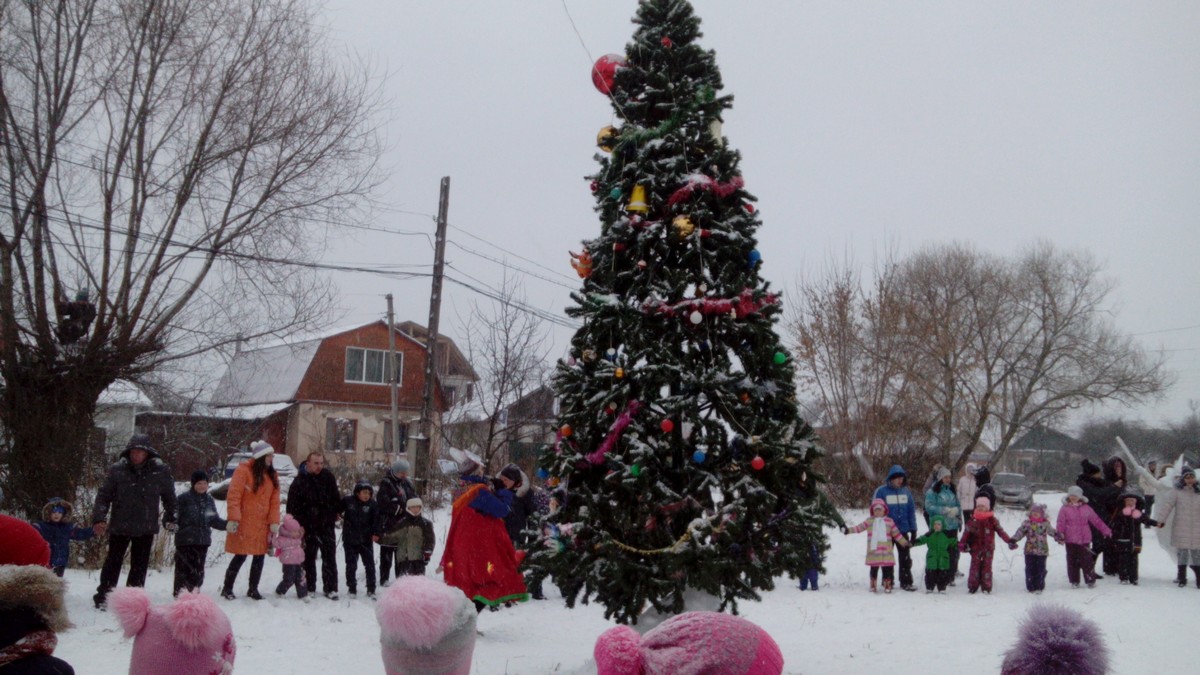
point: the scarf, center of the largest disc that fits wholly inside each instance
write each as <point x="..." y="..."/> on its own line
<point x="879" y="532"/>
<point x="981" y="515"/>
<point x="1132" y="512"/>
<point x="33" y="644"/>
<point x="1037" y="518"/>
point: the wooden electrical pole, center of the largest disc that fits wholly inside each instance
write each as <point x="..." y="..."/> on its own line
<point x="425" y="445"/>
<point x="393" y="380"/>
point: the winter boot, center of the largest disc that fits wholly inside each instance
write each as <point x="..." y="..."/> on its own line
<point x="873" y="590"/>
<point x="1181" y="578"/>
<point x="1196" y="571"/>
<point x="887" y="585"/>
<point x="253" y="593"/>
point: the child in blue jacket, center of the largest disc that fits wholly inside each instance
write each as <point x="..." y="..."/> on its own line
<point x="58" y="531"/>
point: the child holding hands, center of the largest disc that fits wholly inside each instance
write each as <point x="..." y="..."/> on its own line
<point x="1035" y="530"/>
<point x="881" y="532"/>
<point x="1127" y="524"/>
<point x="289" y="548"/>
<point x="1075" y="521"/>
<point x="979" y="539"/>
<point x="938" y="570"/>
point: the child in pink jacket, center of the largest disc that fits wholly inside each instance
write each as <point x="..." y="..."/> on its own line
<point x="1075" y="523"/>
<point x="289" y="548"/>
<point x="881" y="531"/>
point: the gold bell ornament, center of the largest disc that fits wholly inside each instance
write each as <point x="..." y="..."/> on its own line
<point x="637" y="202"/>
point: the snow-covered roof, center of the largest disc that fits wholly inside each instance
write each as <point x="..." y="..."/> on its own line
<point x="124" y="392"/>
<point x="265" y="376"/>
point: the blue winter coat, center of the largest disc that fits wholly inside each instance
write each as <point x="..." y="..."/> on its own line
<point x="60" y="535"/>
<point x="901" y="507"/>
<point x="941" y="500"/>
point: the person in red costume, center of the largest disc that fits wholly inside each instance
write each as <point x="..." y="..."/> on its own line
<point x="479" y="558"/>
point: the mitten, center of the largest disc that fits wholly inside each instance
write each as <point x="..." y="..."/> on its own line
<point x="231" y="527"/>
<point x="963" y="548"/>
<point x="171" y="527"/>
<point x="428" y="555"/>
<point x="845" y="530"/>
<point x="1137" y="549"/>
<point x="1012" y="545"/>
<point x="275" y="528"/>
<point x="951" y="511"/>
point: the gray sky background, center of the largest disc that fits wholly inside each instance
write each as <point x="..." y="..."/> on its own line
<point x="863" y="127"/>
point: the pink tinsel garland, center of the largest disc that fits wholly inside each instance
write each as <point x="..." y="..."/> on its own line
<point x="743" y="305"/>
<point x="699" y="182"/>
<point x="597" y="456"/>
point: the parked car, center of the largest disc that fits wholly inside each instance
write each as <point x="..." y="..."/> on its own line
<point x="1013" y="489"/>
<point x="283" y="466"/>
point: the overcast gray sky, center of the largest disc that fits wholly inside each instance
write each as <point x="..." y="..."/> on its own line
<point x="863" y="126"/>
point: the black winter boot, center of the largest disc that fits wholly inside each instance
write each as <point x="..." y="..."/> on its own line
<point x="1181" y="578"/>
<point x="1196" y="571"/>
<point x="227" y="589"/>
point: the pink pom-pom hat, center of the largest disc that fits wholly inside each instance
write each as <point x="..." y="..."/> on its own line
<point x="426" y="627"/>
<point x="695" y="643"/>
<point x="190" y="636"/>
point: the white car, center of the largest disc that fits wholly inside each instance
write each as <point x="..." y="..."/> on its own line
<point x="284" y="467"/>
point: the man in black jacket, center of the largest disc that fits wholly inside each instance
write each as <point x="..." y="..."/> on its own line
<point x="394" y="492"/>
<point x="314" y="501"/>
<point x="133" y="489"/>
<point x="1101" y="494"/>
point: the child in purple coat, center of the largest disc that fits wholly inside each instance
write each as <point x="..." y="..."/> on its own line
<point x="289" y="548"/>
<point x="1073" y="522"/>
<point x="1036" y="530"/>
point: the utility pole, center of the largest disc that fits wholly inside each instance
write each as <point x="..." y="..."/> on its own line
<point x="425" y="445"/>
<point x="392" y="378"/>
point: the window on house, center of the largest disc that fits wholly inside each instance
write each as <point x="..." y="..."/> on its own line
<point x="340" y="434"/>
<point x="387" y="438"/>
<point x="369" y="366"/>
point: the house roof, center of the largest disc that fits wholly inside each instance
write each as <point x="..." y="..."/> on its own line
<point x="265" y="376"/>
<point x="453" y="362"/>
<point x="124" y="392"/>
<point x="1044" y="438"/>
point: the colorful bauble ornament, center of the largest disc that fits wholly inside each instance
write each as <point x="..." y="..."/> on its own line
<point x="749" y="207"/>
<point x="618" y="246"/>
<point x="619" y="373"/>
<point x="543" y="474"/>
<point x="699" y="456"/>
<point x="745" y="397"/>
<point x="606" y="140"/>
<point x="637" y="201"/>
<point x="666" y="42"/>
<point x="757" y="463"/>
<point x="635" y="470"/>
<point x="667" y="426"/>
<point x="566" y="430"/>
<point x="755" y="257"/>
<point x="780" y="358"/>
<point x="642" y="264"/>
<point x="589" y="355"/>
<point x="594" y="186"/>
<point x="615" y="193"/>
<point x="696" y="317"/>
<point x="604" y="71"/>
<point x="683" y="226"/>
<point x="610" y="353"/>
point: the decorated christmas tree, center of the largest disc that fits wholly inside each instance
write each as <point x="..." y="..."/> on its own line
<point x="685" y="461"/>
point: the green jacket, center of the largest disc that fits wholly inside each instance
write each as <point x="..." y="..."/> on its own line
<point x="938" y="556"/>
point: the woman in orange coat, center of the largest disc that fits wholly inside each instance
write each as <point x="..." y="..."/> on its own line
<point x="479" y="558"/>
<point x="253" y="516"/>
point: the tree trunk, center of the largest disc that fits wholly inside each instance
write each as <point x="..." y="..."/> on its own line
<point x="47" y="452"/>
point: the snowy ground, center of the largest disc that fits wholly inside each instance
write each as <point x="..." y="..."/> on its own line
<point x="841" y="629"/>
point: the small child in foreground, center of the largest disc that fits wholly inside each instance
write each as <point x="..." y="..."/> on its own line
<point x="881" y="532"/>
<point x="938" y="573"/>
<point x="1036" y="530"/>
<point x="289" y="548"/>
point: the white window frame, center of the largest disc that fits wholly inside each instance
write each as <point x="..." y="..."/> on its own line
<point x="363" y="372"/>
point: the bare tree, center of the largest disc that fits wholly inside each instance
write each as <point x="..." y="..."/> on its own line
<point x="959" y="344"/>
<point x="508" y="348"/>
<point x="171" y="160"/>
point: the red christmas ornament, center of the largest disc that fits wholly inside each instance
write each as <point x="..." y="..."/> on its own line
<point x="705" y="234"/>
<point x="666" y="42"/>
<point x="566" y="430"/>
<point x="595" y="186"/>
<point x="749" y="207"/>
<point x="757" y="463"/>
<point x="618" y="247"/>
<point x="604" y="70"/>
<point x="667" y="426"/>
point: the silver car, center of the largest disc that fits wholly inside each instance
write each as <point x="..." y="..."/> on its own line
<point x="1013" y="489"/>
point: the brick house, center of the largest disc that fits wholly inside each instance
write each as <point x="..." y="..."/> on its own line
<point x="332" y="393"/>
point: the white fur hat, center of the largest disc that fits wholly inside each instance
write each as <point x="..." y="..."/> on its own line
<point x="426" y="627"/>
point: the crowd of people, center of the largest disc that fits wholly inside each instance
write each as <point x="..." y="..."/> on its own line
<point x="1101" y="519"/>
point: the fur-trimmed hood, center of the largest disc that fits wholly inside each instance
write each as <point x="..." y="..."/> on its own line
<point x="38" y="589"/>
<point x="58" y="501"/>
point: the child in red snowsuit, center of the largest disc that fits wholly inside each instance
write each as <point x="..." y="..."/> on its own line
<point x="979" y="539"/>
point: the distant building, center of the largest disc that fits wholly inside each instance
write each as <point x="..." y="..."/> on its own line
<point x="1047" y="456"/>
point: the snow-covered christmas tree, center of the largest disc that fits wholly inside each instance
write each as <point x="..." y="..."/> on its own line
<point x="681" y="448"/>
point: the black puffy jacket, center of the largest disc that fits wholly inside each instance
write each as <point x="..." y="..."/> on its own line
<point x="360" y="519"/>
<point x="195" y="514"/>
<point x="393" y="496"/>
<point x="133" y="494"/>
<point x="314" y="500"/>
